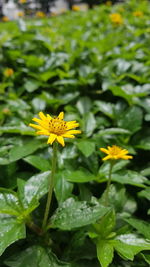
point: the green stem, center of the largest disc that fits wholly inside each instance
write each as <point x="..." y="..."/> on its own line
<point x="108" y="183"/>
<point x="35" y="228"/>
<point x="51" y="185"/>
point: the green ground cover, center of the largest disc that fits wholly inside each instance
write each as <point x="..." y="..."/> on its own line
<point x="98" y="73"/>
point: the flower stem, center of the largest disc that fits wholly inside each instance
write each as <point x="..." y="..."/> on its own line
<point x="51" y="185"/>
<point x="35" y="228"/>
<point x="108" y="183"/>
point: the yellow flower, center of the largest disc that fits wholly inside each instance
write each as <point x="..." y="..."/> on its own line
<point x="20" y="14"/>
<point x="115" y="153"/>
<point x="56" y="128"/>
<point x="40" y="14"/>
<point x="8" y="72"/>
<point x="108" y="3"/>
<point x="5" y="18"/>
<point x="138" y="13"/>
<point x="22" y="1"/>
<point x="116" y="18"/>
<point x="75" y="8"/>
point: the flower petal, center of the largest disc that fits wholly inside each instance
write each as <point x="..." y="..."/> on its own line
<point x="107" y="157"/>
<point x="51" y="139"/>
<point x="61" y="115"/>
<point x="72" y="125"/>
<point x="68" y="135"/>
<point x="74" y="132"/>
<point x="104" y="150"/>
<point x="43" y="132"/>
<point x="42" y="116"/>
<point x="36" y="126"/>
<point x="60" y="139"/>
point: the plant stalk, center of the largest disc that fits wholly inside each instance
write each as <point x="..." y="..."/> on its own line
<point x="50" y="186"/>
<point x="108" y="183"/>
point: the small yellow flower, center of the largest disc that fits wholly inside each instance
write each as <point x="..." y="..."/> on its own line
<point x="8" y="72"/>
<point x="116" y="18"/>
<point x="75" y="8"/>
<point x="40" y="14"/>
<point x="115" y="153"/>
<point x="22" y="1"/>
<point x="5" y="18"/>
<point x="20" y="14"/>
<point x="108" y="3"/>
<point x="138" y="13"/>
<point x="56" y="128"/>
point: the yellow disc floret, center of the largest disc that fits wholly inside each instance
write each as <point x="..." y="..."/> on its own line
<point x="56" y="128"/>
<point x="115" y="153"/>
<point x="116" y="18"/>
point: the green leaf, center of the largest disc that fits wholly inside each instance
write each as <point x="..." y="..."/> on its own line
<point x="144" y="143"/>
<point x="63" y="188"/>
<point x="131" y="119"/>
<point x="35" y="256"/>
<point x="111" y="131"/>
<point x="89" y="123"/>
<point x="105" y="252"/>
<point x="106" y="224"/>
<point x="19" y="152"/>
<point x="86" y="147"/>
<point x="129" y="177"/>
<point x="38" y="162"/>
<point x="9" y="203"/>
<point x="10" y="231"/>
<point x="73" y="214"/>
<point x="106" y="108"/>
<point x="31" y="191"/>
<point x="84" y="105"/>
<point x="141" y="226"/>
<point x="80" y="176"/>
<point x="128" y="245"/>
<point x="31" y="85"/>
<point x="146" y="257"/>
<point x="145" y="193"/>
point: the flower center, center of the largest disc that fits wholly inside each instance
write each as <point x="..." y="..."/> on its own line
<point x="57" y="126"/>
<point x="115" y="151"/>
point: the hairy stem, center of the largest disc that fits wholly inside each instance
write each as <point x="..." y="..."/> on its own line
<point x="51" y="185"/>
<point x="108" y="183"/>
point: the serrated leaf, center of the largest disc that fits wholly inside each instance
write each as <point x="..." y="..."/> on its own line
<point x="106" y="224"/>
<point x="38" y="162"/>
<point x="31" y="191"/>
<point x="128" y="245"/>
<point x="9" y="203"/>
<point x="105" y="252"/>
<point x="80" y="176"/>
<point x="129" y="177"/>
<point x="10" y="231"/>
<point x="35" y="256"/>
<point x="63" y="188"/>
<point x="141" y="226"/>
<point x="74" y="214"/>
<point x="19" y="152"/>
<point x="86" y="147"/>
